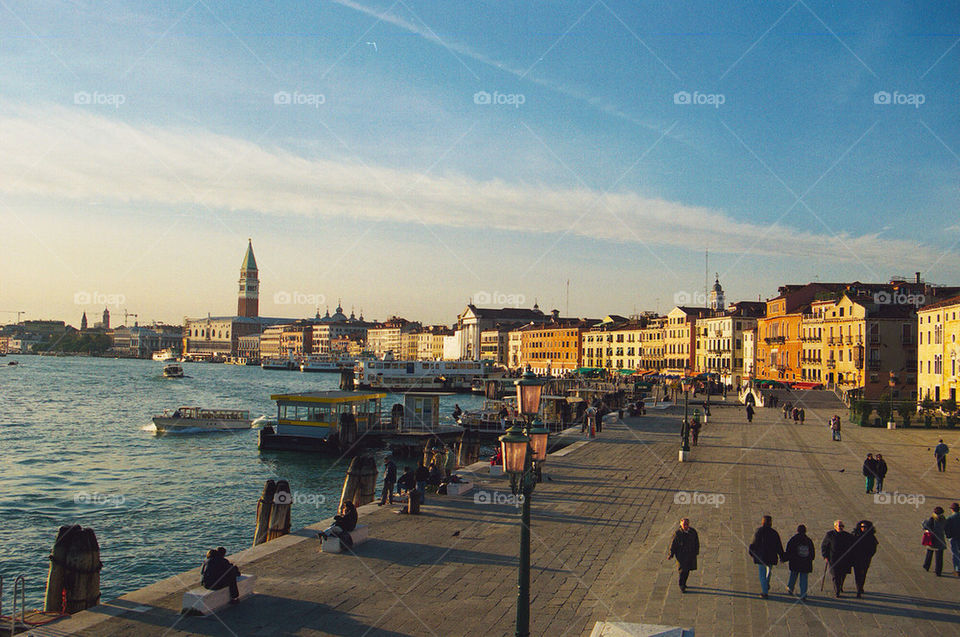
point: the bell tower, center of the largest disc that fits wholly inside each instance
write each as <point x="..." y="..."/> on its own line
<point x="248" y="303"/>
<point x="716" y="295"/>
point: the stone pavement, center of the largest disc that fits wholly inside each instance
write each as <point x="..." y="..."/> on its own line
<point x="602" y="522"/>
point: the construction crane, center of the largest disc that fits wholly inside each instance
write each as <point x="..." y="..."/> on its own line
<point x="126" y="314"/>
<point x="17" y="312"/>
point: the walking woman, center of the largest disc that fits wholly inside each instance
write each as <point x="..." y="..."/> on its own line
<point x="864" y="548"/>
<point x="936" y="524"/>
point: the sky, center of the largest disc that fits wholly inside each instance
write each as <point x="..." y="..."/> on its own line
<point x="408" y="156"/>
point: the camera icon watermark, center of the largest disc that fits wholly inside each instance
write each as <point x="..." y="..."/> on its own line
<point x="692" y="299"/>
<point x="98" y="298"/>
<point x="912" y="499"/>
<point x="114" y="500"/>
<point x="497" y="98"/>
<point x="96" y="98"/>
<point x="496" y="497"/>
<point x="498" y="299"/>
<point x="315" y="500"/>
<point x="896" y="98"/>
<point x="298" y="298"/>
<point x="697" y="98"/>
<point x="688" y="498"/>
<point x="884" y="297"/>
<point x="296" y="98"/>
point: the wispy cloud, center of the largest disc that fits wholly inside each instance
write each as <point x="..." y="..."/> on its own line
<point x="53" y="154"/>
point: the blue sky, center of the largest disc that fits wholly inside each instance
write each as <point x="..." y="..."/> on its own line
<point x="142" y="143"/>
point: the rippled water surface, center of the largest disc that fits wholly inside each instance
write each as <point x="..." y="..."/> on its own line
<point x="77" y="446"/>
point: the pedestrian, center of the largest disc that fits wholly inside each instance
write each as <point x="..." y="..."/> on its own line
<point x="766" y="550"/>
<point x="786" y="410"/>
<point x="864" y="548"/>
<point x="749" y="412"/>
<point x="389" y="481"/>
<point x="836" y="551"/>
<point x="601" y="412"/>
<point x="695" y="427"/>
<point x="936" y="542"/>
<point x="800" y="553"/>
<point x="684" y="548"/>
<point x="940" y="452"/>
<point x="952" y="531"/>
<point x="802" y="415"/>
<point x="422" y="475"/>
<point x="796" y="415"/>
<point x="835" y="428"/>
<point x="881" y="472"/>
<point x="869" y="471"/>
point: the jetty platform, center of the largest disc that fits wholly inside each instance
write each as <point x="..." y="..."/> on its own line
<point x="602" y="521"/>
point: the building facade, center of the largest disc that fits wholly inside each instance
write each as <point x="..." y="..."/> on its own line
<point x="938" y="350"/>
<point x="473" y="321"/>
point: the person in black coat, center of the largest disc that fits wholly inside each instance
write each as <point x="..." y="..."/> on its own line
<point x="864" y="548"/>
<point x="836" y="549"/>
<point x="389" y="481"/>
<point x="800" y="553"/>
<point x="343" y="523"/>
<point x="766" y="550"/>
<point x="869" y="472"/>
<point x="217" y="572"/>
<point x="881" y="472"/>
<point x="685" y="548"/>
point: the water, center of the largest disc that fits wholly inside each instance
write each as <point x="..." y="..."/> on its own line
<point x="77" y="447"/>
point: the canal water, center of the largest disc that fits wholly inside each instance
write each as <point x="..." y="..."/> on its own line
<point x="77" y="446"/>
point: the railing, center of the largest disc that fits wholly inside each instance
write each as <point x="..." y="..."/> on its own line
<point x="831" y="364"/>
<point x="774" y="339"/>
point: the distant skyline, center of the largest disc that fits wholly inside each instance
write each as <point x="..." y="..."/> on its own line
<point x="406" y="156"/>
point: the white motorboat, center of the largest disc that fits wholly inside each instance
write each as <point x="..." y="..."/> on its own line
<point x="198" y="419"/>
<point x="326" y="364"/>
<point x="173" y="370"/>
<point x="166" y="356"/>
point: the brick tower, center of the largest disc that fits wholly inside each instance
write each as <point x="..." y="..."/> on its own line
<point x="248" y="303"/>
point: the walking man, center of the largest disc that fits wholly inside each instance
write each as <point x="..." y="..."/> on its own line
<point x="941" y="451"/>
<point x="836" y="550"/>
<point x="952" y="532"/>
<point x="389" y="481"/>
<point x="802" y="415"/>
<point x="749" y="412"/>
<point x="766" y="550"/>
<point x="800" y="554"/>
<point x="881" y="472"/>
<point x="864" y="548"/>
<point x="870" y="471"/>
<point x="835" y="428"/>
<point x="685" y="547"/>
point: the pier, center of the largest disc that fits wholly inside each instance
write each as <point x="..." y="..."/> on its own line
<point x="601" y="526"/>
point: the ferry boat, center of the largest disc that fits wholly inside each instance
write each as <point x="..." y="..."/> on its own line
<point x="321" y="420"/>
<point x="403" y="376"/>
<point x="326" y="364"/>
<point x="166" y="356"/>
<point x="185" y="419"/>
<point x="289" y="363"/>
<point x="173" y="370"/>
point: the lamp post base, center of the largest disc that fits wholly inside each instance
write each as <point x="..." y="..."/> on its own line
<point x="684" y="456"/>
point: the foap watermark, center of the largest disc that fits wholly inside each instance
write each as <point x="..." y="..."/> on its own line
<point x="499" y="299"/>
<point x="114" y="500"/>
<point x="296" y="98"/>
<point x="897" y="98"/>
<point x="884" y="297"/>
<point x="298" y="298"/>
<point x="499" y="99"/>
<point x="297" y="498"/>
<point x="694" y="299"/>
<point x="685" y="498"/>
<point x="96" y="98"/>
<point x="98" y="298"/>
<point x="699" y="99"/>
<point x="496" y="497"/>
<point x="912" y="499"/>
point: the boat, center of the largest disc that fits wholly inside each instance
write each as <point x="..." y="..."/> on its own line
<point x="188" y="419"/>
<point x="321" y="421"/>
<point x="326" y="364"/>
<point x="166" y="356"/>
<point x="289" y="363"/>
<point x="403" y="376"/>
<point x="173" y="370"/>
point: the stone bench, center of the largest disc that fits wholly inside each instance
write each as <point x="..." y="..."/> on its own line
<point x="202" y="601"/>
<point x="459" y="488"/>
<point x="332" y="544"/>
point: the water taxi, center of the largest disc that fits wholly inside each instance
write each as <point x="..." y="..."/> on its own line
<point x="326" y="364"/>
<point x="403" y="376"/>
<point x="321" y="420"/>
<point x="166" y="356"/>
<point x="189" y="419"/>
<point x="173" y="370"/>
<point x="289" y="363"/>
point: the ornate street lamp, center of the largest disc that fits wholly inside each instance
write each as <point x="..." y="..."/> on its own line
<point x="524" y="451"/>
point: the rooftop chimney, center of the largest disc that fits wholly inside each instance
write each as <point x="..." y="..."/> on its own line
<point x="918" y="277"/>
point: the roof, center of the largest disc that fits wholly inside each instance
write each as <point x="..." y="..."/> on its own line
<point x="953" y="300"/>
<point x="327" y="396"/>
<point x="249" y="263"/>
<point x="508" y="313"/>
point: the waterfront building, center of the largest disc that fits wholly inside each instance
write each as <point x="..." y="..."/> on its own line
<point x="514" y="348"/>
<point x="329" y="327"/>
<point x="104" y="323"/>
<point x="614" y="343"/>
<point x="553" y="347"/>
<point x="452" y="346"/>
<point x="248" y="348"/>
<point x="749" y="355"/>
<point x="938" y="350"/>
<point x="813" y="367"/>
<point x="386" y="339"/>
<point x="429" y="345"/>
<point x="495" y="344"/>
<point x="142" y="341"/>
<point x="651" y="343"/>
<point x="719" y="346"/>
<point x="679" y="340"/>
<point x="475" y="320"/>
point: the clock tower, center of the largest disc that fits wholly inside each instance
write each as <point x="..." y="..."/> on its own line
<point x="248" y="303"/>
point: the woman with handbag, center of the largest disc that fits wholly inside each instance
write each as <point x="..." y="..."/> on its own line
<point x="935" y="539"/>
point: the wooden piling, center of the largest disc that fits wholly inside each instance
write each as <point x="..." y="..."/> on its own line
<point x="360" y="483"/>
<point x="347" y="431"/>
<point x="264" y="505"/>
<point x="53" y="600"/>
<point x="346" y="380"/>
<point x="279" y="524"/>
<point x="73" y="581"/>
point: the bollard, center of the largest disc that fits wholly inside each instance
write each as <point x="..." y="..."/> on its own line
<point x="264" y="504"/>
<point x="73" y="582"/>
<point x="413" y="502"/>
<point x="279" y="524"/>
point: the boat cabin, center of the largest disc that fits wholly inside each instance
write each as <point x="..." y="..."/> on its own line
<point x="317" y="414"/>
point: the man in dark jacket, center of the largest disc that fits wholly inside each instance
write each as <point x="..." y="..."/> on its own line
<point x="800" y="553"/>
<point x="952" y="532"/>
<point x="836" y="549"/>
<point x="870" y="471"/>
<point x="864" y="548"/>
<point x="217" y="572"/>
<point x="749" y="412"/>
<point x="881" y="472"/>
<point x="389" y="480"/>
<point x="685" y="548"/>
<point x="766" y="550"/>
<point x="422" y="475"/>
<point x="940" y="453"/>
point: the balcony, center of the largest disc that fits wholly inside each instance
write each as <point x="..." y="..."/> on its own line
<point x="811" y="339"/>
<point x="831" y="364"/>
<point x="774" y="339"/>
<point x="874" y="339"/>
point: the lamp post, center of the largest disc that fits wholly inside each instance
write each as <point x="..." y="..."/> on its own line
<point x="524" y="451"/>
<point x="685" y="425"/>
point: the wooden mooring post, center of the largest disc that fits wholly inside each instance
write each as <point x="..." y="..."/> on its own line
<point x="73" y="581"/>
<point x="264" y="505"/>
<point x="279" y="524"/>
<point x="360" y="484"/>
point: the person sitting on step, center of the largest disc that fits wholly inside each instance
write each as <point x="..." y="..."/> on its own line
<point x="343" y="523"/>
<point x="217" y="572"/>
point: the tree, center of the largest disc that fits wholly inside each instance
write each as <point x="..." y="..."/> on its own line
<point x="906" y="411"/>
<point x="885" y="408"/>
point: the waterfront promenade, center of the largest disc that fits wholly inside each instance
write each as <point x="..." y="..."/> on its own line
<point x="601" y="527"/>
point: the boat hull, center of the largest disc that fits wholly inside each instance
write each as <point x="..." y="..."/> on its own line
<point x="168" y="425"/>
